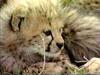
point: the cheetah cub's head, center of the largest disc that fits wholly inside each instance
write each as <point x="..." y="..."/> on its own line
<point x="36" y="17"/>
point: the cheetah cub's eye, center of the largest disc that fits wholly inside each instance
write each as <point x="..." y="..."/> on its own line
<point x="47" y="32"/>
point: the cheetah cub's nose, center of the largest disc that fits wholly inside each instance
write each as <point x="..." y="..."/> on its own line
<point x="60" y="45"/>
<point x="59" y="42"/>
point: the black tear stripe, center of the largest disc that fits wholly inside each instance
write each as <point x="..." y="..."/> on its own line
<point x="2" y="2"/>
<point x="49" y="33"/>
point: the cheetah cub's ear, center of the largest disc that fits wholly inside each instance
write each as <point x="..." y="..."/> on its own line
<point x="17" y="17"/>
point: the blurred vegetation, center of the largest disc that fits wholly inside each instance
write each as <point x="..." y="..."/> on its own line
<point x="66" y="2"/>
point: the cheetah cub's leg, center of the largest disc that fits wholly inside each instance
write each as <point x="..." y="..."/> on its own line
<point x="18" y="16"/>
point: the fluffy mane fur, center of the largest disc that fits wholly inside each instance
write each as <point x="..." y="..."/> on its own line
<point x="81" y="35"/>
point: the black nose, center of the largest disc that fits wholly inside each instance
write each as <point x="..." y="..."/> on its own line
<point x="60" y="45"/>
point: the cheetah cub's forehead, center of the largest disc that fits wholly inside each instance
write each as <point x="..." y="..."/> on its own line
<point x="45" y="12"/>
<point x="47" y="8"/>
